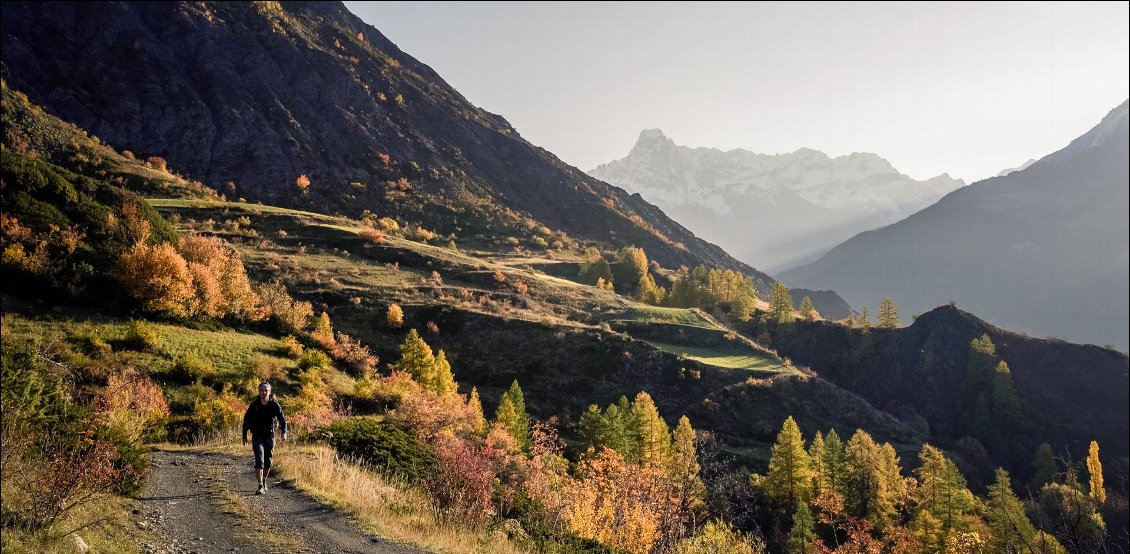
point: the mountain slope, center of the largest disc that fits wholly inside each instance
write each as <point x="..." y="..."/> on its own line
<point x="246" y="97"/>
<point x="775" y="211"/>
<point x="1068" y="394"/>
<point x="1042" y="250"/>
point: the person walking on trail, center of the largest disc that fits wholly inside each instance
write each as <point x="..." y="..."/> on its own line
<point x="260" y="420"/>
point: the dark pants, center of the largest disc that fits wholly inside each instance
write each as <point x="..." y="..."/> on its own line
<point x="263" y="446"/>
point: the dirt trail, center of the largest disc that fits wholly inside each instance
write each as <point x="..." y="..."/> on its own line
<point x="202" y="502"/>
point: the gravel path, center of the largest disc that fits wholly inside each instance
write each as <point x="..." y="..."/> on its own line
<point x="203" y="502"/>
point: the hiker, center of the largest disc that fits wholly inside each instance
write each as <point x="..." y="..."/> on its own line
<point x="260" y="420"/>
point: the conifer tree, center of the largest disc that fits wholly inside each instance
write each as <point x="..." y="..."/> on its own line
<point x="683" y="470"/>
<point x="476" y="405"/>
<point x="816" y="453"/>
<point x="864" y="320"/>
<point x="417" y="359"/>
<point x="443" y="381"/>
<point x="807" y="310"/>
<point x="943" y="496"/>
<point x="394" y="316"/>
<point x="511" y="414"/>
<point x="835" y="462"/>
<point x="630" y="267"/>
<point x="654" y="437"/>
<point x="780" y="304"/>
<point x="982" y="419"/>
<point x="1010" y="529"/>
<point x="888" y="314"/>
<point x="789" y="480"/>
<point x="873" y="485"/>
<point x="1095" y="471"/>
<point x="803" y="533"/>
<point x="1006" y="404"/>
<point x="323" y="332"/>
<point x="1044" y="466"/>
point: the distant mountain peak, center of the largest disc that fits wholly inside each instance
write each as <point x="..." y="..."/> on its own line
<point x="1112" y="126"/>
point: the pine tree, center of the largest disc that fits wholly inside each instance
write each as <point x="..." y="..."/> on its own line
<point x="443" y="381"/>
<point x="1095" y="471"/>
<point x="807" y="310"/>
<point x="683" y="470"/>
<point x="417" y="359"/>
<point x="476" y="406"/>
<point x="780" y="304"/>
<point x="803" y="533"/>
<point x="654" y="437"/>
<point x="511" y="414"/>
<point x="1044" y="467"/>
<point x="888" y="314"/>
<point x="789" y="480"/>
<point x="1011" y="531"/>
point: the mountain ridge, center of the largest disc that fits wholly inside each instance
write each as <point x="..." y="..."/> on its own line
<point x="798" y="204"/>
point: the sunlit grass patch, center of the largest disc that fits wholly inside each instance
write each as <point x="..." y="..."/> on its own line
<point x="733" y="359"/>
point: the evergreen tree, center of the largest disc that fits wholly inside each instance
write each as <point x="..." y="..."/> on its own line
<point x="1095" y="471"/>
<point x="873" y="485"/>
<point x="803" y="534"/>
<point x="654" y="437"/>
<point x="888" y="314"/>
<point x="789" y="480"/>
<point x="443" y="381"/>
<point x="780" y="304"/>
<point x="590" y="427"/>
<point x="807" y="310"/>
<point x="417" y="359"/>
<point x="1006" y="404"/>
<point x="1010" y="529"/>
<point x="1044" y="467"/>
<point x="476" y="406"/>
<point x="511" y="414"/>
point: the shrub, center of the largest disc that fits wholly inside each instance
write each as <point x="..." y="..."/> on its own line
<point x="313" y="358"/>
<point x="353" y="354"/>
<point x="303" y="184"/>
<point x="372" y="236"/>
<point x="290" y="315"/>
<point x="142" y="336"/>
<point x="290" y="347"/>
<point x="157" y="162"/>
<point x="133" y="406"/>
<point x="216" y="414"/>
<point x="380" y="445"/>
<point x="193" y="368"/>
<point x="388" y="224"/>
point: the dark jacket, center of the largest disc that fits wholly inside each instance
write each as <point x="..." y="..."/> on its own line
<point x="260" y="418"/>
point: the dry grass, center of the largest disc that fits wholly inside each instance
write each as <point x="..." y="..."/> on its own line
<point x="390" y="509"/>
<point x="113" y="532"/>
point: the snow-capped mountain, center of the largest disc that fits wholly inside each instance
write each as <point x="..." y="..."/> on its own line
<point x="772" y="210"/>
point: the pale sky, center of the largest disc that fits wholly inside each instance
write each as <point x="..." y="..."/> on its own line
<point x="963" y="88"/>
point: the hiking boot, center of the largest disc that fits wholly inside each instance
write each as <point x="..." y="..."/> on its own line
<point x="262" y="488"/>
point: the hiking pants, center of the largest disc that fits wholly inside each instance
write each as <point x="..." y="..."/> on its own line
<point x="263" y="447"/>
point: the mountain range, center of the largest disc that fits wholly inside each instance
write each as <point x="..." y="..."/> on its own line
<point x="774" y="211"/>
<point x="1042" y="250"/>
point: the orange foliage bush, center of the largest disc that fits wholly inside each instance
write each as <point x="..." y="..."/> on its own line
<point x="372" y="236"/>
<point x="133" y="404"/>
<point x="158" y="278"/>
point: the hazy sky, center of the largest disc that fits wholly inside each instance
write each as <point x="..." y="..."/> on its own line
<point x="963" y="88"/>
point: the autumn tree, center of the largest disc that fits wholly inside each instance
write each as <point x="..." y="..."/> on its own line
<point x="443" y="381"/>
<point x="789" y="479"/>
<point x="629" y="268"/>
<point x="1011" y="530"/>
<point x="1095" y="472"/>
<point x="688" y="490"/>
<point x="653" y="433"/>
<point x="157" y="277"/>
<point x="888" y="314"/>
<point x="394" y="317"/>
<point x="780" y="304"/>
<point x="417" y="359"/>
<point x="511" y="415"/>
<point x="594" y="267"/>
<point x="476" y="406"/>
<point x="802" y="536"/>
<point x="303" y="184"/>
<point x="288" y="314"/>
<point x="943" y="503"/>
<point x="807" y="310"/>
<point x="323" y="332"/>
<point x="864" y="319"/>
<point x="1006" y="404"/>
<point x="873" y="486"/>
